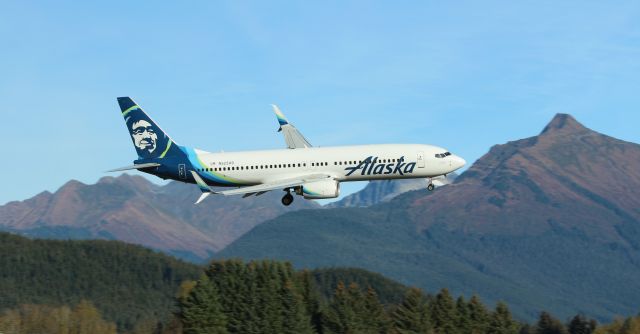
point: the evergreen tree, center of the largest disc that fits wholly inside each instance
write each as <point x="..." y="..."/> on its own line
<point x="443" y="313"/>
<point x="263" y="301"/>
<point x="296" y="320"/>
<point x="374" y="317"/>
<point x="201" y="311"/>
<point x="260" y="297"/>
<point x="343" y="312"/>
<point x="412" y="315"/>
<point x="549" y="325"/>
<point x="478" y="315"/>
<point x="527" y="329"/>
<point x="463" y="316"/>
<point x="581" y="325"/>
<point x="501" y="321"/>
<point x="311" y="299"/>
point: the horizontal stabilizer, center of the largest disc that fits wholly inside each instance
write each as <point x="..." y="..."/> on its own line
<point x="202" y="197"/>
<point x="204" y="187"/>
<point x="136" y="166"/>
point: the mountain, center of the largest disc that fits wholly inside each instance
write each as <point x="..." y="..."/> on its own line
<point x="384" y="190"/>
<point x="127" y="283"/>
<point x="134" y="210"/>
<point x="549" y="222"/>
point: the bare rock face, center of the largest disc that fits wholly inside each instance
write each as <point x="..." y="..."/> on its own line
<point x="568" y="176"/>
<point x="132" y="209"/>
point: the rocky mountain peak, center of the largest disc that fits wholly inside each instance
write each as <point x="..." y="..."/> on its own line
<point x="564" y="123"/>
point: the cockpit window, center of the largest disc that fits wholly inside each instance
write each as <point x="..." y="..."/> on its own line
<point x="442" y="155"/>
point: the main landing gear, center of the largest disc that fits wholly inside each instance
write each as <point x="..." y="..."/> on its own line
<point x="287" y="199"/>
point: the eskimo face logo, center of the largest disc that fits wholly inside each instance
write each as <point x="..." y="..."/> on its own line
<point x="145" y="136"/>
<point x="370" y="166"/>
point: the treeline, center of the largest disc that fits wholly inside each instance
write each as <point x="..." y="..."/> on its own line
<point x="270" y="297"/>
<point x="83" y="318"/>
<point x="137" y="291"/>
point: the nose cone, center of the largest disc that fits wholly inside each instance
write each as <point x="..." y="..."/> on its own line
<point x="457" y="162"/>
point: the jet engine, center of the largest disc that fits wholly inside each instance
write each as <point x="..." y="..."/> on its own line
<point x="320" y="189"/>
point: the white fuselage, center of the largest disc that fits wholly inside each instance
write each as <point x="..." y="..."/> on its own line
<point x="346" y="163"/>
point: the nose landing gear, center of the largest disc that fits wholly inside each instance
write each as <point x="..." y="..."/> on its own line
<point x="287" y="199"/>
<point x="430" y="187"/>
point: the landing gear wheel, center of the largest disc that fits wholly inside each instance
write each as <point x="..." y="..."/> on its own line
<point x="287" y="199"/>
<point x="430" y="187"/>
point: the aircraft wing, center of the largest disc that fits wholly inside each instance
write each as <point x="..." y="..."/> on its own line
<point x="257" y="189"/>
<point x="274" y="185"/>
<point x="292" y="136"/>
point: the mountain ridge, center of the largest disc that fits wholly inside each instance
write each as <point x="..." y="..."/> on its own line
<point x="132" y="209"/>
<point x="526" y="224"/>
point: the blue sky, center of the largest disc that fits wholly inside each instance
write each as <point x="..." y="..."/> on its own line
<point x="464" y="75"/>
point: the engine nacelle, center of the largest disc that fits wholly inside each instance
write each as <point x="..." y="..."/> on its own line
<point x="320" y="189"/>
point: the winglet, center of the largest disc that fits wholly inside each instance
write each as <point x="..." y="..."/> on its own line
<point x="281" y="119"/>
<point x="206" y="190"/>
<point x="292" y="137"/>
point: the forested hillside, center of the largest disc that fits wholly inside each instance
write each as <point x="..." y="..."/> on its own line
<point x="50" y="283"/>
<point x="270" y="297"/>
<point x="232" y="296"/>
<point x="126" y="283"/>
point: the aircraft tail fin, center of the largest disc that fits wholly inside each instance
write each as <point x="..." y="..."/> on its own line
<point x="148" y="138"/>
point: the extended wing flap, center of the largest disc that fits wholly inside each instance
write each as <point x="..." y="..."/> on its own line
<point x="292" y="137"/>
<point x="280" y="184"/>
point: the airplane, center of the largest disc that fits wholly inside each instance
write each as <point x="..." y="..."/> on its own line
<point x="308" y="171"/>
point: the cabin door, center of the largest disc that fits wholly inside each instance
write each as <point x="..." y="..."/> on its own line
<point x="420" y="159"/>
